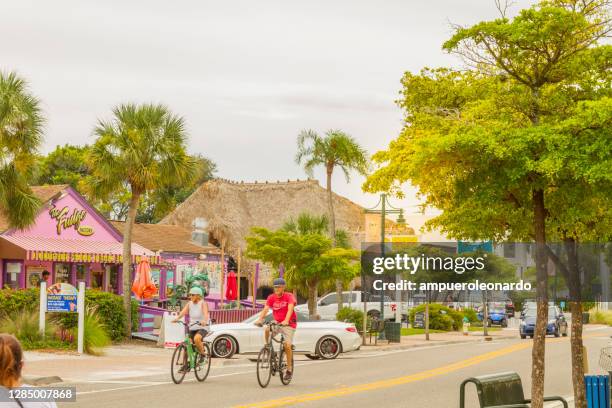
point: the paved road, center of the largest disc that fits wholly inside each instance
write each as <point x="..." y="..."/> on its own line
<point x="420" y="377"/>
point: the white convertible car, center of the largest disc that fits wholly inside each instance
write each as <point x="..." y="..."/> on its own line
<point x="324" y="339"/>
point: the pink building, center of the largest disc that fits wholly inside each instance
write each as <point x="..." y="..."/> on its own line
<point x="70" y="240"/>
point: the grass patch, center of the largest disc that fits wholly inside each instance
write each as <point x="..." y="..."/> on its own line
<point x="600" y="317"/>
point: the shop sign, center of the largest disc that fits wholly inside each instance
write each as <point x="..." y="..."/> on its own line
<point x="61" y="297"/>
<point x="65" y="219"/>
<point x="84" y="258"/>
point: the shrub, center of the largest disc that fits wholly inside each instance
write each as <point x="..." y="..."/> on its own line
<point x="440" y="317"/>
<point x="109" y="308"/>
<point x="24" y="325"/>
<point x="14" y="301"/>
<point x="95" y="336"/>
<point x="352" y="316"/>
<point x="471" y="314"/>
<point x="600" y="317"/>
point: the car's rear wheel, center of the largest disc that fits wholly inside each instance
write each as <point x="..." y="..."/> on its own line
<point x="224" y="347"/>
<point x="523" y="336"/>
<point x="328" y="347"/>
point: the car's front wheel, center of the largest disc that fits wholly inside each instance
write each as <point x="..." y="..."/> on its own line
<point x="328" y="347"/>
<point x="224" y="347"/>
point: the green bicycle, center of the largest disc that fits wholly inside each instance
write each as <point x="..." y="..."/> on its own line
<point x="186" y="357"/>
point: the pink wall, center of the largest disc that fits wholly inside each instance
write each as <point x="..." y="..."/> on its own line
<point x="46" y="226"/>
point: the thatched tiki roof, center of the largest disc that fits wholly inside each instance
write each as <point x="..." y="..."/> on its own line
<point x="233" y="208"/>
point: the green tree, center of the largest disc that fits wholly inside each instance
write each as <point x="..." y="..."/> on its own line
<point x="306" y="252"/>
<point x="21" y="123"/>
<point x="143" y="147"/>
<point x="335" y="149"/>
<point x="499" y="147"/>
<point x="64" y="165"/>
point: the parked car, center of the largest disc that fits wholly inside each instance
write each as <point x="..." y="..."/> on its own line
<point x="510" y="311"/>
<point x="557" y="325"/>
<point x="495" y="316"/>
<point x="327" y="306"/>
<point x="324" y="339"/>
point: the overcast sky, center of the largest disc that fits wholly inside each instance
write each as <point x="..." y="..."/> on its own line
<point x="246" y="75"/>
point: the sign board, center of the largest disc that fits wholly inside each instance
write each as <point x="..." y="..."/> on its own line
<point x="174" y="333"/>
<point x="62" y="297"/>
<point x="474" y="246"/>
<point x="419" y="320"/>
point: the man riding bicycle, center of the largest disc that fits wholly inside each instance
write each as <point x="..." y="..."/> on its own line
<point x="198" y="312"/>
<point x="282" y="304"/>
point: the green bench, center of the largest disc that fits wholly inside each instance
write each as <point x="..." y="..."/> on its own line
<point x="503" y="390"/>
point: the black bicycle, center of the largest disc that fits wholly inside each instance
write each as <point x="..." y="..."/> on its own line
<point x="270" y="362"/>
<point x="187" y="357"/>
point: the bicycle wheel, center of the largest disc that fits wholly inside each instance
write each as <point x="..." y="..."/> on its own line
<point x="264" y="367"/>
<point x="283" y="365"/>
<point x="179" y="364"/>
<point x="202" y="367"/>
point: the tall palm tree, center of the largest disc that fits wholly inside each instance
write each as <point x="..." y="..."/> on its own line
<point x="21" y="123"/>
<point x="141" y="148"/>
<point x="335" y="149"/>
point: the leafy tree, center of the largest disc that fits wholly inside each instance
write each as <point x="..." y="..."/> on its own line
<point x="335" y="149"/>
<point x="501" y="147"/>
<point x="305" y="251"/>
<point x="21" y="123"/>
<point x="64" y="165"/>
<point x="143" y="147"/>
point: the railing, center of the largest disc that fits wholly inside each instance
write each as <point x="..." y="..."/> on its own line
<point x="146" y="320"/>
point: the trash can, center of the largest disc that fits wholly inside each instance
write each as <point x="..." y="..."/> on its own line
<point x="585" y="317"/>
<point x="393" y="332"/>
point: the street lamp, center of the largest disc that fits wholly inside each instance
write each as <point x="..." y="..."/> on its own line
<point x="383" y="211"/>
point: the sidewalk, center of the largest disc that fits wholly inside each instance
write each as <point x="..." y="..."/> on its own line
<point x="437" y="339"/>
<point x="119" y="361"/>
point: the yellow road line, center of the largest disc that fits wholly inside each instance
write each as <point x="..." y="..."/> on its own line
<point x="393" y="382"/>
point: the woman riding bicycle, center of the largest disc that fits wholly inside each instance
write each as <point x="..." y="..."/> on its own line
<point x="198" y="312"/>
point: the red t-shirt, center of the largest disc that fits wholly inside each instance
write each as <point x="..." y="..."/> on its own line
<point x="280" y="306"/>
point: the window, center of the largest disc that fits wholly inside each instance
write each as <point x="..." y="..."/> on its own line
<point x="81" y="272"/>
<point x="330" y="299"/>
<point x="62" y="273"/>
<point x="509" y="250"/>
<point x="112" y="276"/>
<point x="349" y="297"/>
<point x="97" y="279"/>
<point x="13" y="270"/>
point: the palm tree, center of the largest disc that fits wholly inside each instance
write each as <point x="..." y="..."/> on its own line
<point x="141" y="148"/>
<point x="335" y="149"/>
<point x="21" y="125"/>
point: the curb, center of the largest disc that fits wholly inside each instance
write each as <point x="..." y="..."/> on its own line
<point x="433" y="343"/>
<point x="42" y="380"/>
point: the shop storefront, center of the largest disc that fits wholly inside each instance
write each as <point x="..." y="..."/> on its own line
<point x="69" y="242"/>
<point x="182" y="257"/>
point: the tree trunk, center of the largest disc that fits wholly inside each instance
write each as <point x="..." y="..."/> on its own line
<point x="485" y="314"/>
<point x="538" y="351"/>
<point x="427" y="319"/>
<point x="312" y="300"/>
<point x="332" y="227"/>
<point x="576" y="333"/>
<point x="127" y="261"/>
